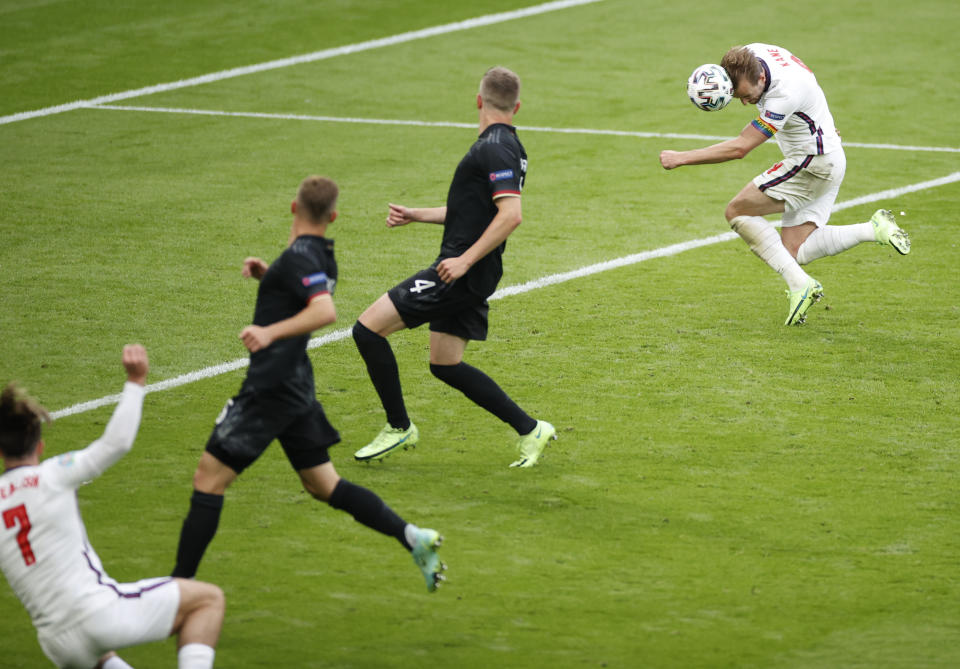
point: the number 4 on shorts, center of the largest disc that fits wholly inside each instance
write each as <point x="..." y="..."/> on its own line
<point x="420" y="285"/>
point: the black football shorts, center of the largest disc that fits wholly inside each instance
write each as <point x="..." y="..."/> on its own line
<point x="251" y="421"/>
<point x="449" y="307"/>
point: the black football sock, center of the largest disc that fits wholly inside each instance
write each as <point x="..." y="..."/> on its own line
<point x="485" y="392"/>
<point x="198" y="529"/>
<point x="368" y="509"/>
<point x="382" y="368"/>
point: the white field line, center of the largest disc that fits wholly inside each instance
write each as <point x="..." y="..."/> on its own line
<point x="452" y="124"/>
<point x="673" y="249"/>
<point x="325" y="54"/>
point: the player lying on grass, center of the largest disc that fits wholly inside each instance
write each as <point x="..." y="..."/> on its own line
<point x="278" y="401"/>
<point x="81" y="614"/>
<point x="803" y="186"/>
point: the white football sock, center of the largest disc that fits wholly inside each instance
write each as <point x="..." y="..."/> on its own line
<point x="410" y="534"/>
<point x="765" y="242"/>
<point x="195" y="656"/>
<point x="833" y="239"/>
<point x="116" y="662"/>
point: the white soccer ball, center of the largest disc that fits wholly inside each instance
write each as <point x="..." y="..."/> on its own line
<point x="710" y="88"/>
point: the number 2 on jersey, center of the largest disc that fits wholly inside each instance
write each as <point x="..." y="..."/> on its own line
<point x="10" y="518"/>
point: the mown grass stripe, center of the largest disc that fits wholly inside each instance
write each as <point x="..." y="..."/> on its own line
<point x="467" y="24"/>
<point x="337" y="335"/>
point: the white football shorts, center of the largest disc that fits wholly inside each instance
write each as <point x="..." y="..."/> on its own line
<point x="808" y="186"/>
<point x="144" y="612"/>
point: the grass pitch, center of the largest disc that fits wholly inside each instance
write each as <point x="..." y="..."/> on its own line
<point x="725" y="491"/>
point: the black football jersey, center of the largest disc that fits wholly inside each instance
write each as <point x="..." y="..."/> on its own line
<point x="495" y="165"/>
<point x="307" y="268"/>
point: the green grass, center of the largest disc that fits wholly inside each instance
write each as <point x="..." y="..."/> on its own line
<point x="725" y="491"/>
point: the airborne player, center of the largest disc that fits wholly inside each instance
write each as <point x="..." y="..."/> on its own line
<point x="803" y="186"/>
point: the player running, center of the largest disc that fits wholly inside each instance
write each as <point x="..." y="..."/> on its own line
<point x="483" y="208"/>
<point x="81" y="614"/>
<point x="803" y="186"/>
<point x="278" y="401"/>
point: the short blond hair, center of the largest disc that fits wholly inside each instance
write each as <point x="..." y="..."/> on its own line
<point x="741" y="64"/>
<point x="500" y="88"/>
<point x="317" y="198"/>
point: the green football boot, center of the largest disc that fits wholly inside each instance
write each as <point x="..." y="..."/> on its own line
<point x="389" y="440"/>
<point x="886" y="230"/>
<point x="801" y="300"/>
<point x="425" y="555"/>
<point x="531" y="446"/>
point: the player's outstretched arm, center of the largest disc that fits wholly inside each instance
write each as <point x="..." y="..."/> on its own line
<point x="118" y="437"/>
<point x="731" y="149"/>
<point x="400" y="215"/>
<point x="319" y="313"/>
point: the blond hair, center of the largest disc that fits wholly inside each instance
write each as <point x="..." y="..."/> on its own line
<point x="500" y="88"/>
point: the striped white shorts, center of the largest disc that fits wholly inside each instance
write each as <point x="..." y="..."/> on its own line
<point x="807" y="185"/>
<point x="144" y="612"/>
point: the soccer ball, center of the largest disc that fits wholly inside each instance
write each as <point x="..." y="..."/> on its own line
<point x="710" y="88"/>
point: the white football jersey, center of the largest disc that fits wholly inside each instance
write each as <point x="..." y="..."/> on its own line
<point x="44" y="551"/>
<point x="793" y="107"/>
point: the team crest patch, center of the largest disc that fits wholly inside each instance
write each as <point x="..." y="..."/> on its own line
<point x="314" y="279"/>
<point x="501" y="175"/>
<point x="774" y="115"/>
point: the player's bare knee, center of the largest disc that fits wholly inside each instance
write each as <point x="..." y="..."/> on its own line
<point x="210" y="598"/>
<point x="320" y="481"/>
<point x="196" y="595"/>
<point x="206" y="484"/>
<point x="215" y="597"/>
<point x="317" y="492"/>
<point x="732" y="211"/>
